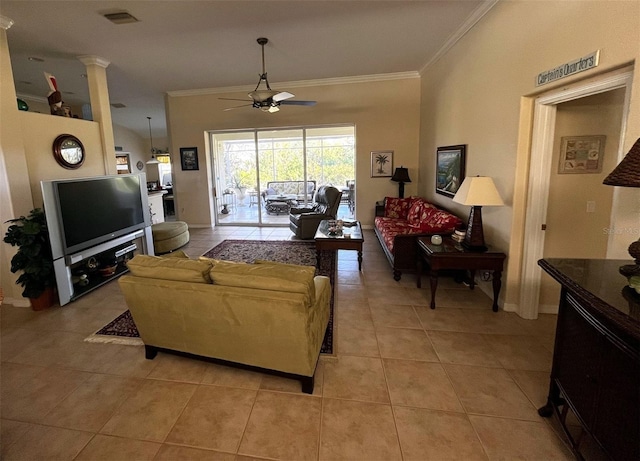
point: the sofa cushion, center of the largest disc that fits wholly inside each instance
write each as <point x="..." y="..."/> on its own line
<point x="177" y="269"/>
<point x="390" y="227"/>
<point x="395" y="207"/>
<point x="438" y="221"/>
<point x="419" y="210"/>
<point x="295" y="272"/>
<point x="267" y="276"/>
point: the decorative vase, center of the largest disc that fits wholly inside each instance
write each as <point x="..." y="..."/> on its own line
<point x="241" y="195"/>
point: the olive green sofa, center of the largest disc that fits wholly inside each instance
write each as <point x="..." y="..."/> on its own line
<point x="265" y="315"/>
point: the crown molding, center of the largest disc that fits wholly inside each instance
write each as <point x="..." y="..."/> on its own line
<point x="6" y="22"/>
<point x="471" y="21"/>
<point x="301" y="83"/>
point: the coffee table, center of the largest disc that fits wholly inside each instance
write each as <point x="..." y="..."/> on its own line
<point x="280" y="204"/>
<point x="350" y="238"/>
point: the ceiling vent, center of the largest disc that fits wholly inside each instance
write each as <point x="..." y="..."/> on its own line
<point x="118" y="105"/>
<point x="121" y="17"/>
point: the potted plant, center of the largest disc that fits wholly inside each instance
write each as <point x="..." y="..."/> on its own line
<point x="240" y="182"/>
<point x="34" y="258"/>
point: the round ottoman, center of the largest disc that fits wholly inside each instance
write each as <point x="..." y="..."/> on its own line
<point x="169" y="236"/>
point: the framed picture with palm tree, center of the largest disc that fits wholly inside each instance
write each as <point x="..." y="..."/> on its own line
<point x="382" y="164"/>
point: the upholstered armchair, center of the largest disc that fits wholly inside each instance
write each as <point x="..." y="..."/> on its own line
<point x="304" y="221"/>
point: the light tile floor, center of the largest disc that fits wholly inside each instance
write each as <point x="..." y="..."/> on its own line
<point x="407" y="383"/>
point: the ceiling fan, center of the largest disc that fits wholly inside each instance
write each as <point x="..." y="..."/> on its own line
<point x="266" y="99"/>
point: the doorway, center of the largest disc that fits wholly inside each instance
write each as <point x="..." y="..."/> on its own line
<point x="545" y="141"/>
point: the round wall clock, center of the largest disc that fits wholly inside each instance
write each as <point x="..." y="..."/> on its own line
<point x="140" y="165"/>
<point x="68" y="151"/>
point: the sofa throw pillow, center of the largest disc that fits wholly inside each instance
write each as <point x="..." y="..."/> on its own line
<point x="265" y="276"/>
<point x="395" y="207"/>
<point x="178" y="269"/>
<point x="419" y="210"/>
<point x="439" y="221"/>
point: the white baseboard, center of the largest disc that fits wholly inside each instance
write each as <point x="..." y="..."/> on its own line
<point x="200" y="226"/>
<point x="542" y="308"/>
<point x="17" y="302"/>
<point x="548" y="309"/>
<point x="510" y="307"/>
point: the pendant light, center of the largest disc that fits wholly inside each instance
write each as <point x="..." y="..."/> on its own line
<point x="153" y="160"/>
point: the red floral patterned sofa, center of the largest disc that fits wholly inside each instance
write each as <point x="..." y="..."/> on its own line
<point x="400" y="221"/>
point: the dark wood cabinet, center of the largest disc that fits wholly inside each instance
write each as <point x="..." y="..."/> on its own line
<point x="596" y="362"/>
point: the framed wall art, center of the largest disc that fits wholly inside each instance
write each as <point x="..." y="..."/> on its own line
<point x="189" y="158"/>
<point x="450" y="164"/>
<point x="382" y="164"/>
<point x="581" y="154"/>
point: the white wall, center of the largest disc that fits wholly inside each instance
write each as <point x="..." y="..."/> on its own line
<point x="384" y="112"/>
<point x="476" y="95"/>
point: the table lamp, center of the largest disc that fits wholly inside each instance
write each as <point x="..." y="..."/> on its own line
<point x="401" y="176"/>
<point x="477" y="191"/>
<point x="627" y="174"/>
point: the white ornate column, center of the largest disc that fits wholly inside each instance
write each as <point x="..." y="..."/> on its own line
<point x="100" y="107"/>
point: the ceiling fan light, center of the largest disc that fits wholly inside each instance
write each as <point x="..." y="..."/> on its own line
<point x="273" y="109"/>
<point x="262" y="95"/>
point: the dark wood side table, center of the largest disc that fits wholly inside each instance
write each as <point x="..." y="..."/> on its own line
<point x="339" y="241"/>
<point x="450" y="255"/>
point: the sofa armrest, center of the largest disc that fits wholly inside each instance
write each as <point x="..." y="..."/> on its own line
<point x="301" y="210"/>
<point x="380" y="208"/>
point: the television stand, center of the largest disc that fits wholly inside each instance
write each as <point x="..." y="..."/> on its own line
<point x="89" y="262"/>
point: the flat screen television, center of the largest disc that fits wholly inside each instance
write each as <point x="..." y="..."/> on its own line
<point x="82" y="213"/>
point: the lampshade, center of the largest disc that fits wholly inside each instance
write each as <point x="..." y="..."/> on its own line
<point x="478" y="191"/>
<point x="401" y="175"/>
<point x="627" y="173"/>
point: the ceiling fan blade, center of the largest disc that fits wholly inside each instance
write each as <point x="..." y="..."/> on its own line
<point x="232" y="99"/>
<point x="238" y="107"/>
<point x="282" y="96"/>
<point x="298" y="103"/>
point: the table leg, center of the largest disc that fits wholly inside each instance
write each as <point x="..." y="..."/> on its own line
<point x="472" y="281"/>
<point x="318" y="258"/>
<point x="360" y="259"/>
<point x="419" y="272"/>
<point x="434" y="286"/>
<point x="497" y="283"/>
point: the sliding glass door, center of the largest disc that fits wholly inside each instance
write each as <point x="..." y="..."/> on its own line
<point x="260" y="174"/>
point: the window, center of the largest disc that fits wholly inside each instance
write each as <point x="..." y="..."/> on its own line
<point x="164" y="170"/>
<point x="246" y="162"/>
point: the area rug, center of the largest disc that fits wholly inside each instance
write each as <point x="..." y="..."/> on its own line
<point x="122" y="330"/>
